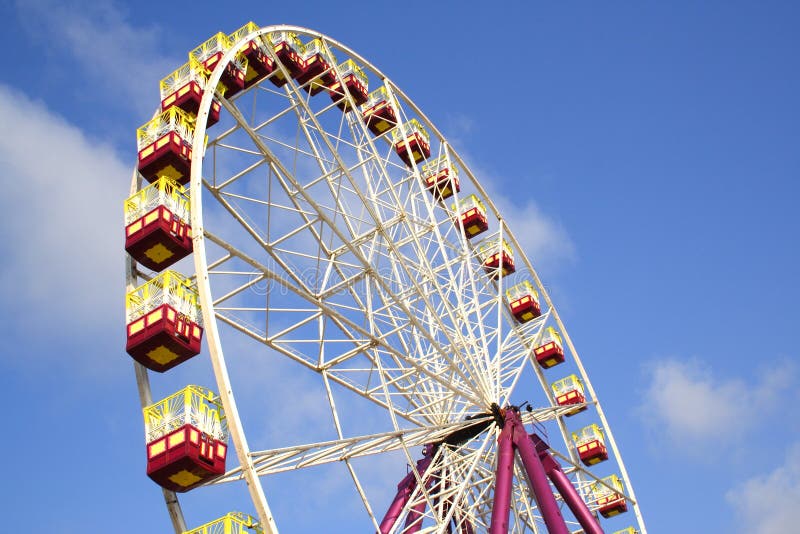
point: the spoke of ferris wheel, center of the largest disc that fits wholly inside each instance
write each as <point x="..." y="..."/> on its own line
<point x="416" y="236"/>
<point x="359" y="487"/>
<point x="251" y="232"/>
<point x="463" y="466"/>
<point x="519" y="344"/>
<point x="449" y="277"/>
<point x="455" y="157"/>
<point x="339" y="379"/>
<point x="278" y="168"/>
<point x="308" y="455"/>
<point x="450" y="280"/>
<point x="343" y="381"/>
<point x="372" y="197"/>
<point x="376" y="341"/>
<point x="465" y="245"/>
<point x="250" y="283"/>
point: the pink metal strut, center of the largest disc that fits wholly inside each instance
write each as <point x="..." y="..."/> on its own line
<point x="404" y="490"/>
<point x="539" y="465"/>
<point x="568" y="492"/>
<point x="503" y="477"/>
<point x="414" y="518"/>
<point x="513" y="436"/>
<point x="539" y="484"/>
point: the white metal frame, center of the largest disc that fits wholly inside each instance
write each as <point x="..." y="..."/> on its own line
<point x="428" y="336"/>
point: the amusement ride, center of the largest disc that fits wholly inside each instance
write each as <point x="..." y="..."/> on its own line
<point x="293" y="211"/>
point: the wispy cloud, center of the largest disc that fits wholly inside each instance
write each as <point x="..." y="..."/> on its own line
<point x="767" y="504"/>
<point x="61" y="225"/>
<point x="544" y="240"/>
<point x="458" y="127"/>
<point x="546" y="243"/>
<point x="121" y="59"/>
<point x="688" y="403"/>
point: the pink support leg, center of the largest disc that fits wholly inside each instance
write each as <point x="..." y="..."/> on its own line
<point x="565" y="488"/>
<point x="404" y="490"/>
<point x="502" y="483"/>
<point x="539" y="465"/>
<point x="539" y="485"/>
<point x="414" y="519"/>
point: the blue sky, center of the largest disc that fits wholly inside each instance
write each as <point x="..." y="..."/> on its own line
<point x="652" y="146"/>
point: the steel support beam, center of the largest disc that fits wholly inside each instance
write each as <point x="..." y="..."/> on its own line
<point x="568" y="492"/>
<point x="404" y="490"/>
<point x="504" y="475"/>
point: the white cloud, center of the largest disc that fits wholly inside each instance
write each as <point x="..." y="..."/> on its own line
<point x="543" y="240"/>
<point x="120" y="58"/>
<point x="546" y="243"/>
<point x="691" y="405"/>
<point x="458" y="127"/>
<point x="61" y="227"/>
<point x="767" y="504"/>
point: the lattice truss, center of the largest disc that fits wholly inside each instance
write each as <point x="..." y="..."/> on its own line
<point x="365" y="274"/>
<point x="326" y="248"/>
<point x="456" y="490"/>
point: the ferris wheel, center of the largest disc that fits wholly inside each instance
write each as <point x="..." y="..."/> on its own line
<point x="334" y="229"/>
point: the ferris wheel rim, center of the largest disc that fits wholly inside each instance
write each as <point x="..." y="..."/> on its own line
<point x="213" y="338"/>
<point x="199" y="234"/>
<point x="208" y="95"/>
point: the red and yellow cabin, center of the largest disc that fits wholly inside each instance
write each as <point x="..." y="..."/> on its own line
<point x="184" y="89"/>
<point x="413" y="142"/>
<point x="164" y="327"/>
<point x="318" y="63"/>
<point x="353" y="82"/>
<point x="186" y="437"/>
<point x="591" y="444"/>
<point x="629" y="530"/>
<point x="379" y="112"/>
<point x="498" y="258"/>
<point x="165" y="146"/>
<point x="232" y="523"/>
<point x="550" y="351"/>
<point x="569" y="391"/>
<point x="210" y="54"/>
<point x="259" y="62"/>
<point x="472" y="216"/>
<point x="289" y="51"/>
<point x="610" y="502"/>
<point x="157" y="229"/>
<point x="523" y="301"/>
<point x="441" y="178"/>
